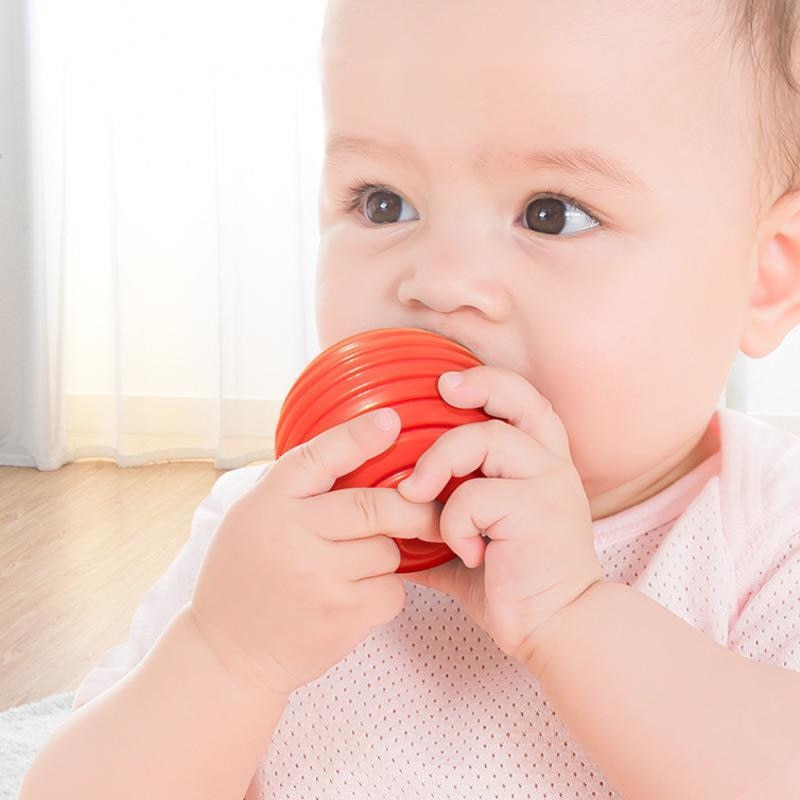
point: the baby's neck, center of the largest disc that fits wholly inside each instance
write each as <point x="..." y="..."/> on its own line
<point x="665" y="474"/>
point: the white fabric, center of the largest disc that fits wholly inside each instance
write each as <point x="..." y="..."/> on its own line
<point x="427" y="706"/>
<point x="23" y="731"/>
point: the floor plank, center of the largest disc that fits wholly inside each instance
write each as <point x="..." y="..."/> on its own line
<point x="79" y="546"/>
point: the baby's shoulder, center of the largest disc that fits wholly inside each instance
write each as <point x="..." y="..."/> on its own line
<point x="760" y="492"/>
<point x="778" y="488"/>
<point x="760" y="471"/>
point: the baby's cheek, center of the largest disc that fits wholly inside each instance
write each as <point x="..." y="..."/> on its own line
<point x="606" y="385"/>
<point x="348" y="298"/>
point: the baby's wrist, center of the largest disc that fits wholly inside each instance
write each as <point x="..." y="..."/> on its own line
<point x="548" y="635"/>
<point x="227" y="666"/>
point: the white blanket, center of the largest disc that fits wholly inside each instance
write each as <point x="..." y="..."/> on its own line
<point x="23" y="730"/>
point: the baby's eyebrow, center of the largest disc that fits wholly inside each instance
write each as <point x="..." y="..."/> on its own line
<point x="575" y="160"/>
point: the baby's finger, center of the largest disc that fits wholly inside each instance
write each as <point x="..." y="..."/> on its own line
<point x="495" y="447"/>
<point x="312" y="467"/>
<point x="360" y="512"/>
<point x="508" y="395"/>
<point x="478" y="508"/>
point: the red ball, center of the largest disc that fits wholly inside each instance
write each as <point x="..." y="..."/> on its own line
<point x="385" y="367"/>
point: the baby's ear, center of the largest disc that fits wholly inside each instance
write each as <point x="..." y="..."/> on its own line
<point x="774" y="304"/>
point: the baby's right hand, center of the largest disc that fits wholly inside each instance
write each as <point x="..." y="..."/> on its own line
<point x="295" y="576"/>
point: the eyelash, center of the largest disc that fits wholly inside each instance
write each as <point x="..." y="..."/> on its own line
<point x="352" y="196"/>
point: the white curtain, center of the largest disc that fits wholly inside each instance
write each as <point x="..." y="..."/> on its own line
<point x="175" y="150"/>
<point x="157" y="297"/>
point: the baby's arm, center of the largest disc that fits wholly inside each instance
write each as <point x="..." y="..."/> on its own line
<point x="180" y="724"/>
<point x="664" y="710"/>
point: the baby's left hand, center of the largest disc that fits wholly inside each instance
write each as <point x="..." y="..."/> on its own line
<point x="532" y="507"/>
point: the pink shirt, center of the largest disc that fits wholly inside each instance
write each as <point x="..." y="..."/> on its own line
<point x="427" y="706"/>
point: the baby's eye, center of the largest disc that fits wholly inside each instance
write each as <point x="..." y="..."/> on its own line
<point x="550" y="214"/>
<point x="381" y="207"/>
<point x="554" y="214"/>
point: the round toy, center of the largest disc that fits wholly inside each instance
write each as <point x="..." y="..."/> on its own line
<point x="384" y="367"/>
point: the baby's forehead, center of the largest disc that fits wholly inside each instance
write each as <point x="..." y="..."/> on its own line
<point x="476" y="78"/>
<point x="451" y="33"/>
<point x="551" y="57"/>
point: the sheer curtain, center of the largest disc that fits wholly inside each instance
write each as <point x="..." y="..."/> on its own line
<point x="161" y="298"/>
<point x="174" y="150"/>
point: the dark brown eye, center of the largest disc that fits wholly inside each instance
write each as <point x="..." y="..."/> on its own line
<point x="553" y="216"/>
<point x="383" y="207"/>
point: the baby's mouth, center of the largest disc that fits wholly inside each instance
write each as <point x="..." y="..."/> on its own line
<point x="475" y="351"/>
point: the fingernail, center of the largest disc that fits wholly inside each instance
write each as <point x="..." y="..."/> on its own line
<point x="385" y="419"/>
<point x="453" y="378"/>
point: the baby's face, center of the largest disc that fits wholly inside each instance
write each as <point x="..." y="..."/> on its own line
<point x="572" y="198"/>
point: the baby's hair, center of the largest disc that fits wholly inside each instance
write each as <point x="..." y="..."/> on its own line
<point x="769" y="30"/>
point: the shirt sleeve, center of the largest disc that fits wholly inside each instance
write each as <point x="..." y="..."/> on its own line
<point x="767" y="628"/>
<point x="173" y="589"/>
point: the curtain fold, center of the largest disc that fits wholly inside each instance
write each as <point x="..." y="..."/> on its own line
<point x="173" y="157"/>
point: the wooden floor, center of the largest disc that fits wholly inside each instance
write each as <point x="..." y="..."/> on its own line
<point x="79" y="546"/>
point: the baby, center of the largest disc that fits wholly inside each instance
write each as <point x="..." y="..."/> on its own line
<point x="598" y="199"/>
